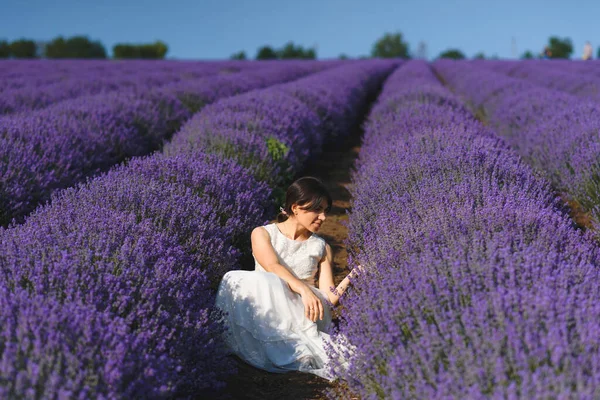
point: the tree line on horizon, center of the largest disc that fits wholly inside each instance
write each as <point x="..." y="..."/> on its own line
<point x="79" y="47"/>
<point x="390" y="45"/>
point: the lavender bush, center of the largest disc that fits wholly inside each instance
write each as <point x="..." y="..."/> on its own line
<point x="276" y="130"/>
<point x="54" y="350"/>
<point x="554" y="131"/>
<point x="33" y="97"/>
<point x="477" y="285"/>
<point x="126" y="253"/>
<point x="144" y="245"/>
<point x="44" y="74"/>
<point x="571" y="77"/>
<point x="63" y="144"/>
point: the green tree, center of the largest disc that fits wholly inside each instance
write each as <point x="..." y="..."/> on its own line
<point x="23" y="48"/>
<point x="56" y="48"/>
<point x="560" y="48"/>
<point x="266" y="53"/>
<point x="4" y="49"/>
<point x="74" y="47"/>
<point x="125" y="51"/>
<point x="528" y="55"/>
<point x="83" y="47"/>
<point x="454" y="54"/>
<point x="290" y="51"/>
<point x="240" y="55"/>
<point x="310" y="54"/>
<point x="156" y="50"/>
<point x="479" y="56"/>
<point x="390" y="45"/>
<point x="343" y="57"/>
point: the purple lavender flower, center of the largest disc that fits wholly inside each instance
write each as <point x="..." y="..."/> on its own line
<point x="141" y="248"/>
<point x="553" y="130"/>
<point x="477" y="284"/>
<point x="65" y="143"/>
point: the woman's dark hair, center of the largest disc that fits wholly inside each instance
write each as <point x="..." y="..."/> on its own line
<point x="309" y="193"/>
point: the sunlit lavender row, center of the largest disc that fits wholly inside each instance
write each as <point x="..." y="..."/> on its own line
<point x="480" y="286"/>
<point x="30" y="74"/>
<point x="294" y="119"/>
<point x="477" y="283"/>
<point x="107" y="291"/>
<point x="554" y="130"/>
<point x="35" y="95"/>
<point x="61" y="145"/>
<point x="56" y="81"/>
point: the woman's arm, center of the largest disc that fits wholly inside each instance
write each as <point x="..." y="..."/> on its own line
<point x="265" y="255"/>
<point x="326" y="277"/>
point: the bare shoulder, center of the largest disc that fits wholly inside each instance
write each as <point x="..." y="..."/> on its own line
<point x="259" y="233"/>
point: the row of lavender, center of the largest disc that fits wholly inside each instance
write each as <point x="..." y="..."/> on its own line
<point x="554" y="131"/>
<point x="576" y="78"/>
<point x="108" y="291"/>
<point x="36" y="95"/>
<point x="476" y="284"/>
<point x="16" y="74"/>
<point x="63" y="144"/>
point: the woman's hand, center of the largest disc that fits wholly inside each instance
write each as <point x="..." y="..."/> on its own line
<point x="356" y="271"/>
<point x="313" y="307"/>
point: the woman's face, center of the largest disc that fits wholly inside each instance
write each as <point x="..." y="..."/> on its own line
<point x="312" y="219"/>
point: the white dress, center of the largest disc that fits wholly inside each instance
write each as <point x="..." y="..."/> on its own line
<point x="265" y="319"/>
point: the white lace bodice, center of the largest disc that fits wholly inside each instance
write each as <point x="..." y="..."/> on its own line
<point x="300" y="257"/>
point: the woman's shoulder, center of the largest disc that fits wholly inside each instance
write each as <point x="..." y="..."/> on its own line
<point x="319" y="245"/>
<point x="265" y="226"/>
<point x="263" y="230"/>
<point x="269" y="227"/>
<point x="318" y="240"/>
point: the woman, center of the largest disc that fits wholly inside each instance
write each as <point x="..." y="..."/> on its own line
<point x="277" y="319"/>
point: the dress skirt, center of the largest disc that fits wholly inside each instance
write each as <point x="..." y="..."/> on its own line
<point x="267" y="327"/>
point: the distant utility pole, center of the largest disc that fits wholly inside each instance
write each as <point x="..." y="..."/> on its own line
<point x="513" y="47"/>
<point x="421" y="51"/>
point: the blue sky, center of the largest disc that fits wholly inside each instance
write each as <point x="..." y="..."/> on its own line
<point x="204" y="29"/>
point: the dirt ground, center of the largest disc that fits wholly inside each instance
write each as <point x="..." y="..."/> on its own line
<point x="333" y="167"/>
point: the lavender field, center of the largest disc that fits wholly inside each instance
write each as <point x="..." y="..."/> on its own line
<point x="129" y="188"/>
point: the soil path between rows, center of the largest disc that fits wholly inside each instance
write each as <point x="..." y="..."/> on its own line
<point x="333" y="167"/>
